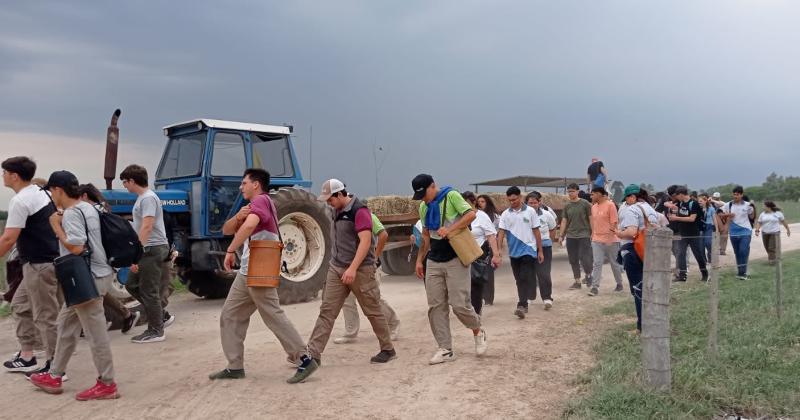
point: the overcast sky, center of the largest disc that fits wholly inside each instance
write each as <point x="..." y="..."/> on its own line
<point x="697" y="92"/>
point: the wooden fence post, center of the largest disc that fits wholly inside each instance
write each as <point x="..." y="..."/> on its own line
<point x="779" y="276"/>
<point x="713" y="297"/>
<point x="655" y="310"/>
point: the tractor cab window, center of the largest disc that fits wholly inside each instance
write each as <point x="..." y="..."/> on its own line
<point x="229" y="157"/>
<point x="228" y="160"/>
<point x="183" y="157"/>
<point x="272" y="152"/>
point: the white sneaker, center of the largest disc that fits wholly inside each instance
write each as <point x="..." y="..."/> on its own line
<point x="548" y="304"/>
<point x="441" y="356"/>
<point x="344" y="340"/>
<point x="480" y="343"/>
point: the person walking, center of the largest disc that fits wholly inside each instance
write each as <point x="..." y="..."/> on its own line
<point x="688" y="218"/>
<point x="36" y="302"/>
<point x="738" y="213"/>
<point x="547" y="231"/>
<point x="768" y="225"/>
<point x="576" y="228"/>
<point x="90" y="194"/>
<point x="352" y="323"/>
<point x="636" y="216"/>
<point x="723" y="224"/>
<point x="485" y="234"/>
<point x="351" y="270"/>
<point x="447" y="282"/>
<point x="710" y="222"/>
<point x="605" y="244"/>
<point x="77" y="228"/>
<point x="256" y="221"/>
<point x="520" y="224"/>
<point x="144" y="281"/>
<point x="596" y="174"/>
<point x="486" y="205"/>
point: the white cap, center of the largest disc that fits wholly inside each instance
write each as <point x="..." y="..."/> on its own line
<point x="330" y="187"/>
<point x="716" y="195"/>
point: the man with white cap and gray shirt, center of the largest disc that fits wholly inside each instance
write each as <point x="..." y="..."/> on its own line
<point x="351" y="270"/>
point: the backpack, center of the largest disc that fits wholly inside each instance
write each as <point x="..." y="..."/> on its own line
<point x="120" y="241"/>
<point x="751" y="217"/>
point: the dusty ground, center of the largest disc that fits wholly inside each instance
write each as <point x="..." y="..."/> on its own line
<point x="528" y="371"/>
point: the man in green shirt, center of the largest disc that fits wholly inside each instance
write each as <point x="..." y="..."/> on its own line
<point x="576" y="227"/>
<point x="447" y="281"/>
<point x="352" y="322"/>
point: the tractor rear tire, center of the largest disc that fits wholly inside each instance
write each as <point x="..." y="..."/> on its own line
<point x="395" y="262"/>
<point x="305" y="225"/>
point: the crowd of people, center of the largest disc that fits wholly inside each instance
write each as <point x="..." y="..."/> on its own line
<point x="60" y="218"/>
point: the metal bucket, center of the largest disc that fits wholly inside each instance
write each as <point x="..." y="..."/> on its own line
<point x="264" y="269"/>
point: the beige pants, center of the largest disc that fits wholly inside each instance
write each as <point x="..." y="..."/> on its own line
<point x="448" y="285"/>
<point x="365" y="288"/>
<point x="241" y="303"/>
<point x="352" y="322"/>
<point x="37" y="302"/>
<point x="90" y="317"/>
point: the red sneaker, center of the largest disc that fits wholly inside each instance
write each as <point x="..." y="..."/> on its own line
<point x="99" y="391"/>
<point x="47" y="382"/>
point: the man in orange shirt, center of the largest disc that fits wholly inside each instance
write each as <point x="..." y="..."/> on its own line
<point x="605" y="244"/>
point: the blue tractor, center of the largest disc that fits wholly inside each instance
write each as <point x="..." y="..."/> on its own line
<point x="198" y="182"/>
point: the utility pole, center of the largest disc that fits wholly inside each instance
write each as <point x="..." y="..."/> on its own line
<point x="378" y="165"/>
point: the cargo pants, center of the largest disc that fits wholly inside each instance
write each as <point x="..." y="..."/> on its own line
<point x="352" y="322"/>
<point x="368" y="294"/>
<point x="447" y="285"/>
<point x="241" y="303"/>
<point x="90" y="317"/>
<point x="37" y="302"/>
<point x="146" y="285"/>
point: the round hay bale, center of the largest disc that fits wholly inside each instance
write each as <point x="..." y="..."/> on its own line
<point x="387" y="205"/>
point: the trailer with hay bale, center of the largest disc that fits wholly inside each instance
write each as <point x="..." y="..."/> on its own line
<point x="399" y="214"/>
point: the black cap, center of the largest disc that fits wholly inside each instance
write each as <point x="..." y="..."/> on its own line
<point x="61" y="179"/>
<point x="419" y="184"/>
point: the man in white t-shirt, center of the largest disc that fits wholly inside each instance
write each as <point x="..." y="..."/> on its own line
<point x="520" y="224"/>
<point x="37" y="300"/>
<point x="739" y="215"/>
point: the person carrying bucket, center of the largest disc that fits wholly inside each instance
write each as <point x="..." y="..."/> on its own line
<point x="255" y="287"/>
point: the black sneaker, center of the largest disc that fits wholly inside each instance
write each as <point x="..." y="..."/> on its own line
<point x="384" y="356"/>
<point x="575" y="286"/>
<point x="306" y="367"/>
<point x="520" y="312"/>
<point x="149" y="336"/>
<point x="618" y="288"/>
<point x="18" y="364"/>
<point x="168" y="319"/>
<point x="130" y="321"/>
<point x="227" y="374"/>
<point x="705" y="276"/>
<point x="594" y="291"/>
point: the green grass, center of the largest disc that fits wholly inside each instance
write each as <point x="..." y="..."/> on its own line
<point x="179" y="287"/>
<point x="791" y="210"/>
<point x="757" y="372"/>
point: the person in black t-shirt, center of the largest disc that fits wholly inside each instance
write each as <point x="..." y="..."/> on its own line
<point x="596" y="174"/>
<point x="687" y="218"/>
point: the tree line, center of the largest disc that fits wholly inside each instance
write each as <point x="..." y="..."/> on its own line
<point x="775" y="187"/>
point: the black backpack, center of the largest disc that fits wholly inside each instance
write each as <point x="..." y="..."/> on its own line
<point x="120" y="241"/>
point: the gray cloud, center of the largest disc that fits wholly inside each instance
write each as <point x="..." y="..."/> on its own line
<point x="680" y="91"/>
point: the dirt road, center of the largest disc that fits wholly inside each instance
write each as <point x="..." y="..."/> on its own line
<point x="529" y="370"/>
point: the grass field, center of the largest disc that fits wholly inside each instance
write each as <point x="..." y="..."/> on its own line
<point x="756" y="374"/>
<point x="791" y="210"/>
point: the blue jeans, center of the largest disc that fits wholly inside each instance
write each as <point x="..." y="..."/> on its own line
<point x="634" y="269"/>
<point x="740" y="241"/>
<point x="708" y="240"/>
